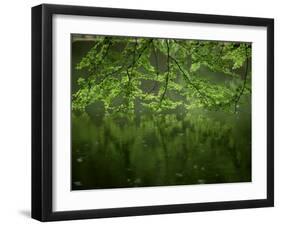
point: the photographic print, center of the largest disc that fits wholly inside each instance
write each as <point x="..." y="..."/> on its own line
<point x="159" y="112"/>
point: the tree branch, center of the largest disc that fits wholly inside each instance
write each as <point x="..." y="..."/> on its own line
<point x="124" y="67"/>
<point x="189" y="81"/>
<point x="157" y="66"/>
<point x="107" y="41"/>
<point x="168" y="71"/>
<point x="244" y="84"/>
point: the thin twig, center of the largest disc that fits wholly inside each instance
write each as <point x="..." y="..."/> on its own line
<point x="157" y="67"/>
<point x="189" y="81"/>
<point x="124" y="67"/>
<point x="244" y="84"/>
<point x="168" y="72"/>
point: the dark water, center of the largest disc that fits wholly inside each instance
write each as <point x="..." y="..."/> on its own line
<point x="199" y="147"/>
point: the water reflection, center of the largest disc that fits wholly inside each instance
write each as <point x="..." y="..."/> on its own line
<point x="210" y="147"/>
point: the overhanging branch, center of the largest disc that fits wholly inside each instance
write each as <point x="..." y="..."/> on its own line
<point x="168" y="72"/>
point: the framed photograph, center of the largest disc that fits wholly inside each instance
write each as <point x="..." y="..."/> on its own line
<point x="146" y="112"/>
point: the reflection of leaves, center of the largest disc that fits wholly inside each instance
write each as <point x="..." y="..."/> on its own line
<point x="201" y="147"/>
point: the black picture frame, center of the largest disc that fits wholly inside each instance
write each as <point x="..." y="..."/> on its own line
<point x="42" y="111"/>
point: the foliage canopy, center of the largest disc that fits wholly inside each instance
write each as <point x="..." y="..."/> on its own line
<point x="129" y="74"/>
